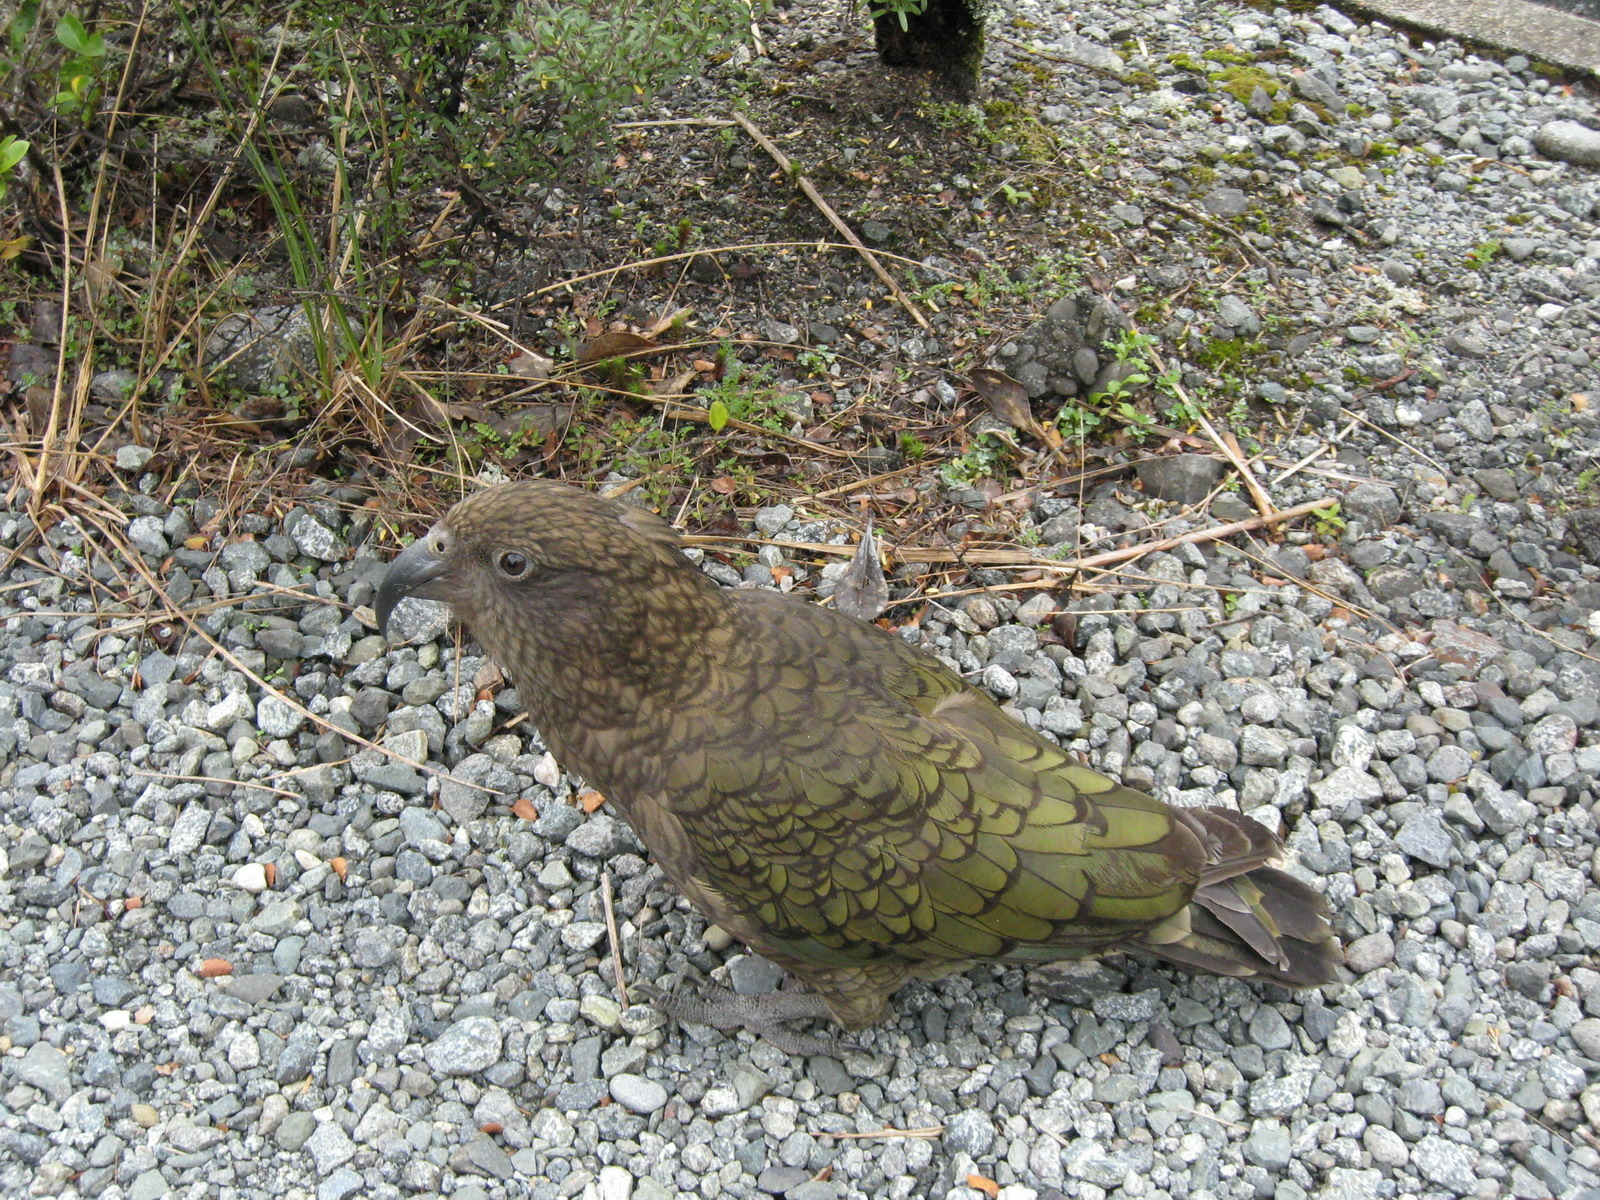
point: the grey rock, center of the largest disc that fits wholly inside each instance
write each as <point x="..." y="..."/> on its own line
<point x="1225" y="202"/>
<point x="1374" y="503"/>
<point x="969" y="1132"/>
<point x="1268" y="1146"/>
<point x="752" y="975"/>
<point x="470" y="1045"/>
<point x="1424" y="836"/>
<point x="1570" y="142"/>
<point x="47" y="1069"/>
<point x="638" y="1094"/>
<point x="1368" y="953"/>
<point x="1269" y="1030"/>
<point x="316" y="540"/>
<point x="293" y="1132"/>
<point x="188" y="831"/>
<point x="829" y="1075"/>
<point x="133" y="458"/>
<point x="330" y="1147"/>
<point x="255" y="351"/>
<point x="601" y="836"/>
<point x="1278" y="1096"/>
<point x="1181" y="478"/>
<point x="341" y="1185"/>
<point x="1449" y="1164"/>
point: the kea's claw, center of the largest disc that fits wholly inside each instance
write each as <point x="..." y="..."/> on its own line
<point x="762" y="1015"/>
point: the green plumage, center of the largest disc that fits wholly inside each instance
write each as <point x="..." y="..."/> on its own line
<point x="831" y="796"/>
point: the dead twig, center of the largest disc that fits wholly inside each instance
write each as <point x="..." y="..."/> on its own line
<point x="611" y="935"/>
<point x="1016" y="558"/>
<point x="1217" y="227"/>
<point x="806" y="186"/>
<point x="1225" y="442"/>
<point x="1398" y="441"/>
<point x="1214" y="534"/>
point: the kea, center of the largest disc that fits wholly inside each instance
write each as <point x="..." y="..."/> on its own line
<point x="836" y="799"/>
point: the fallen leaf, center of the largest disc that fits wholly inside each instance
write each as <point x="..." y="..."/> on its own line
<point x="863" y="592"/>
<point x="528" y="419"/>
<point x="524" y="808"/>
<point x="488" y="678"/>
<point x="983" y="1184"/>
<point x="133" y="902"/>
<point x="144" y="1014"/>
<point x="529" y="365"/>
<point x="491" y="1128"/>
<point x="723" y="485"/>
<point x="339" y="866"/>
<point x="1007" y="399"/>
<point x="271" y="870"/>
<point x="213" y="967"/>
<point x="616" y="344"/>
<point x="166" y="1068"/>
<point x="589" y="801"/>
<point x="672" y="320"/>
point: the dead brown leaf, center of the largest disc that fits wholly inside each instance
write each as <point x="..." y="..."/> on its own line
<point x="524" y="808"/>
<point x="672" y="320"/>
<point x="618" y="343"/>
<point x="529" y="365"/>
<point x="590" y="800"/>
<point x="1007" y="399"/>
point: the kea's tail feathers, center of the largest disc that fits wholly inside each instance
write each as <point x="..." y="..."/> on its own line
<point x="1248" y="919"/>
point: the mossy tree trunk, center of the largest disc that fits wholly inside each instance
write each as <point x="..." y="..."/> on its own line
<point x="946" y="37"/>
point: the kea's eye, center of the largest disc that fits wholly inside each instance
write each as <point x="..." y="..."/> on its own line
<point x="512" y="565"/>
<point x="439" y="542"/>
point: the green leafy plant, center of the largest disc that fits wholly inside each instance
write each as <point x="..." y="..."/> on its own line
<point x="902" y="10"/>
<point x="744" y="393"/>
<point x="1481" y="255"/>
<point x="1016" y="196"/>
<point x="982" y="460"/>
<point x="12" y="151"/>
<point x="80" y="74"/>
<point x="1116" y="399"/>
<point x="913" y="447"/>
<point x="1328" y="521"/>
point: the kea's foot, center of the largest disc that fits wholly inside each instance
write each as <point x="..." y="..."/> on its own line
<point x="762" y="1015"/>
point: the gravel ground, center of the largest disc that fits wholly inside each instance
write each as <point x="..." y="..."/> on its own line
<point x="417" y="1002"/>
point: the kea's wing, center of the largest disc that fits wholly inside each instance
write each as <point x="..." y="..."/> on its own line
<point x="858" y="800"/>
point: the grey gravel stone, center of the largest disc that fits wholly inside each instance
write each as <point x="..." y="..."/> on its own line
<point x="638" y="1094"/>
<point x="470" y="1045"/>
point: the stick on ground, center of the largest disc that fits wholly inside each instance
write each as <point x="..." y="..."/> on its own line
<point x="806" y="186"/>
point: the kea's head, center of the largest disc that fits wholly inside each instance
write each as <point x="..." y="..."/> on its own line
<point x="538" y="567"/>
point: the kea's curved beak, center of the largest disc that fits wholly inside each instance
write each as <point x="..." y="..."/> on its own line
<point x="418" y="572"/>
